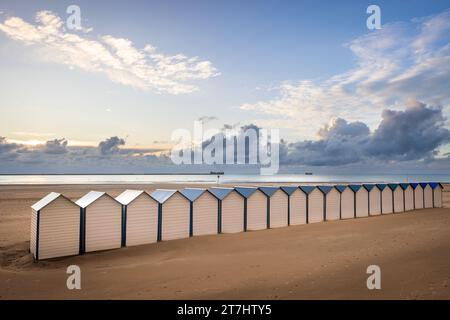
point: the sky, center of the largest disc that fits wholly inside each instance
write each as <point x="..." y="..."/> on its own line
<point x="114" y="92"/>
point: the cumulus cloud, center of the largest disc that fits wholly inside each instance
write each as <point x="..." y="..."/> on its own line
<point x="402" y="61"/>
<point x="117" y="58"/>
<point x="56" y="146"/>
<point x="111" y="145"/>
<point x="8" y="150"/>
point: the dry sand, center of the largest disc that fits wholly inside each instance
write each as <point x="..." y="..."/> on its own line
<point x="317" y="261"/>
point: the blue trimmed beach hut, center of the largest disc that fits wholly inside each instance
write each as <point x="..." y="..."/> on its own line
<point x="204" y="211"/>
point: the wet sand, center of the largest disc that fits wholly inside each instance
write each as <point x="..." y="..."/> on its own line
<point x="317" y="261"/>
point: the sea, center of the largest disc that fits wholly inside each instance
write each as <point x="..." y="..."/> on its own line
<point x="214" y="179"/>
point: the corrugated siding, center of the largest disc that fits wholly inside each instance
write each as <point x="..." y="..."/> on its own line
<point x="298" y="207"/>
<point x="387" y="200"/>
<point x="409" y="198"/>
<point x="205" y="220"/>
<point x="315" y="210"/>
<point x="428" y="192"/>
<point x="257" y="211"/>
<point x="279" y="209"/>
<point x="142" y="221"/>
<point x="333" y="205"/>
<point x="233" y="213"/>
<point x="375" y="202"/>
<point x="33" y="229"/>
<point x="418" y="194"/>
<point x="59" y="229"/>
<point x="438" y="197"/>
<point x="103" y="225"/>
<point x="348" y="204"/>
<point x="362" y="203"/>
<point x="175" y="218"/>
<point x="398" y="200"/>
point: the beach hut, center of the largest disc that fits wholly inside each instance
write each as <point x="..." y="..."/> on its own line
<point x="361" y="200"/>
<point x="418" y="195"/>
<point x="437" y="194"/>
<point x="204" y="208"/>
<point x="173" y="214"/>
<point x="427" y="195"/>
<point x="55" y="227"/>
<point x="347" y="202"/>
<point x="397" y="193"/>
<point x="387" y="200"/>
<point x="314" y="204"/>
<point x="322" y="200"/>
<point x="230" y="209"/>
<point x="101" y="222"/>
<point x="277" y="202"/>
<point x="255" y="208"/>
<point x="139" y="217"/>
<point x="408" y="196"/>
<point x="298" y="207"/>
<point x="289" y="190"/>
<point x="374" y="199"/>
<point x="332" y="202"/>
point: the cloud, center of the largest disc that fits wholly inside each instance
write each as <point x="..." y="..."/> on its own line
<point x="111" y="145"/>
<point x="402" y="61"/>
<point x="117" y="58"/>
<point x="56" y="146"/>
<point x="8" y="150"/>
<point x="206" y="119"/>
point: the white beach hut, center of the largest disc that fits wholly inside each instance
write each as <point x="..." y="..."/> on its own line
<point x="399" y="201"/>
<point x="387" y="200"/>
<point x="139" y="218"/>
<point x="255" y="208"/>
<point x="408" y="196"/>
<point x="231" y="209"/>
<point x="278" y="207"/>
<point x="437" y="194"/>
<point x="55" y="227"/>
<point x="204" y="211"/>
<point x="314" y="204"/>
<point x="418" y="195"/>
<point x="361" y="200"/>
<point x="101" y="222"/>
<point x="332" y="202"/>
<point x="374" y="199"/>
<point x="427" y="195"/>
<point x="289" y="190"/>
<point x="298" y="207"/>
<point x="347" y="202"/>
<point x="173" y="214"/>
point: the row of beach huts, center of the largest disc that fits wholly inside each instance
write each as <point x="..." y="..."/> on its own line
<point x="97" y="221"/>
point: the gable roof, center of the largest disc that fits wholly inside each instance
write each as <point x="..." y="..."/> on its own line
<point x="129" y="195"/>
<point x="246" y="192"/>
<point x="90" y="197"/>
<point x="162" y="195"/>
<point x="52" y="196"/>
<point x="414" y="185"/>
<point x="369" y="187"/>
<point x="324" y="189"/>
<point x="404" y="186"/>
<point x="221" y="193"/>
<point x="289" y="189"/>
<point x="381" y="186"/>
<point x="434" y="185"/>
<point x="307" y="189"/>
<point x="193" y="194"/>
<point x="341" y="188"/>
<point x="355" y="187"/>
<point x="393" y="186"/>
<point x="269" y="191"/>
<point x="423" y="184"/>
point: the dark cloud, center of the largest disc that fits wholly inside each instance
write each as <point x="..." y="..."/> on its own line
<point x="8" y="150"/>
<point x="111" y="145"/>
<point x="56" y="146"/>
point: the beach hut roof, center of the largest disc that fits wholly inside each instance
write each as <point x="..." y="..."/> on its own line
<point x="369" y="187"/>
<point x="288" y="189"/>
<point x="268" y="191"/>
<point x="341" y="188"/>
<point x="90" y="197"/>
<point x="423" y="184"/>
<point x="393" y="186"/>
<point x="193" y="193"/>
<point x="355" y="187"/>
<point x="162" y="195"/>
<point x="381" y="186"/>
<point x="246" y="192"/>
<point x="221" y="193"/>
<point x="404" y="186"/>
<point x="307" y="189"/>
<point x="414" y="185"/>
<point x="128" y="196"/>
<point x="434" y="185"/>
<point x="324" y="189"/>
<point x="52" y="196"/>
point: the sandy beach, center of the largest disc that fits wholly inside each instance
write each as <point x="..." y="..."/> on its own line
<point x="317" y="261"/>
